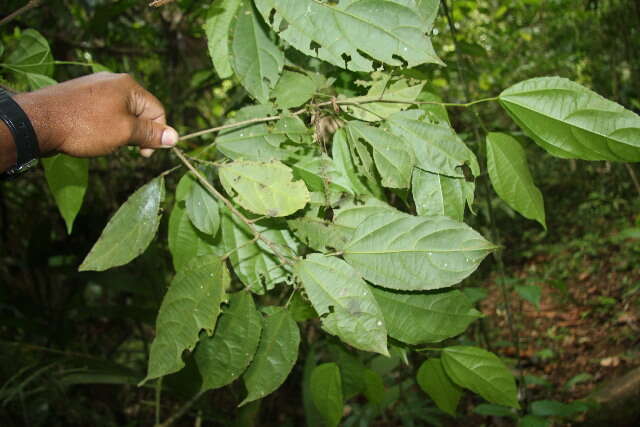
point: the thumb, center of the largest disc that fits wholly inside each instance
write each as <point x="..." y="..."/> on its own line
<point x="151" y="134"/>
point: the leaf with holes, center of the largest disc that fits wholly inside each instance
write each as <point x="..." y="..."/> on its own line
<point x="264" y="188"/>
<point x="67" y="178"/>
<point x="191" y="305"/>
<point x="510" y="176"/>
<point x="344" y="302"/>
<point x="400" y="251"/>
<point x="319" y="234"/>
<point x="130" y="230"/>
<point x="353" y="33"/>
<point x="570" y="121"/>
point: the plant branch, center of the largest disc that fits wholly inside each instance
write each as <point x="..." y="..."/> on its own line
<point x="183" y="410"/>
<point x="206" y="184"/>
<point x="27" y="7"/>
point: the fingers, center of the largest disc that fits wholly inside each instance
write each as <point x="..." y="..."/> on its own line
<point x="149" y="134"/>
<point x="144" y="105"/>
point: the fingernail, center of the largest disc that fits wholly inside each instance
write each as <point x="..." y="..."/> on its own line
<point x="169" y="137"/>
<point x="146" y="152"/>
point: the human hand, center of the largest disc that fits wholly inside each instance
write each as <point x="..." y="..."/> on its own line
<point x="95" y="114"/>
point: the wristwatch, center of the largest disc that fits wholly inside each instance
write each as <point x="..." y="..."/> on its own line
<point x="27" y="151"/>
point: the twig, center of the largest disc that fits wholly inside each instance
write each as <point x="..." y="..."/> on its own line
<point x="158" y="397"/>
<point x="206" y="184"/>
<point x="633" y="176"/>
<point x="27" y="7"/>
<point x="183" y="410"/>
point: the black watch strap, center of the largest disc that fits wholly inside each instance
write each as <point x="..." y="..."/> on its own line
<point x="24" y="136"/>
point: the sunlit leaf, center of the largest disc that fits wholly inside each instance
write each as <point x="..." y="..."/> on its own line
<point x="130" y="230"/>
<point x="32" y="54"/>
<point x="399" y="90"/>
<point x="326" y="393"/>
<point x="434" y="381"/>
<point x="67" y="178"/>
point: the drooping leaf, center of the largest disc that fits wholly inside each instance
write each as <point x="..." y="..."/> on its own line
<point x="301" y="309"/>
<point x="436" y="146"/>
<point x="349" y="33"/>
<point x="481" y="372"/>
<point x="129" y="231"/>
<point x="216" y="27"/>
<point x="275" y="357"/>
<point x="393" y="157"/>
<point x="253" y="141"/>
<point x="32" y="54"/>
<point x="319" y="234"/>
<point x="433" y="380"/>
<point x="373" y="386"/>
<point x="320" y="174"/>
<point x="191" y="305"/>
<point x="422" y="318"/>
<point x="38" y="81"/>
<point x="202" y="209"/>
<point x="346" y="166"/>
<point x="326" y="393"/>
<point x="400" y="251"/>
<point x="185" y="240"/>
<point x="67" y="178"/>
<point x="253" y="261"/>
<point x="352" y="370"/>
<point x="435" y="194"/>
<point x="222" y="358"/>
<point x="399" y="90"/>
<point x="344" y="302"/>
<point x="510" y="176"/>
<point x="256" y="60"/>
<point x="570" y="121"/>
<point x="294" y="89"/>
<point x="264" y="188"/>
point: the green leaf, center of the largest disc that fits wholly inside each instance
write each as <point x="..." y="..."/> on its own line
<point x="393" y="157"/>
<point x="276" y="355"/>
<point x="400" y="251"/>
<point x="202" y="209"/>
<point x="320" y="174"/>
<point x="510" y="176"/>
<point x="253" y="262"/>
<point x="294" y="128"/>
<point x="254" y="141"/>
<point x="437" y="147"/>
<point x="531" y="293"/>
<point x="481" y="372"/>
<point x="216" y="27"/>
<point x="345" y="165"/>
<point x="352" y="370"/>
<point x="185" y="240"/>
<point x="326" y="393"/>
<point x="421" y="318"/>
<point x="38" y="81"/>
<point x="301" y="309"/>
<point x="435" y="194"/>
<point x="130" y="230"/>
<point x="67" y="178"/>
<point x="264" y="188"/>
<point x="319" y="234"/>
<point x="294" y="89"/>
<point x="400" y="90"/>
<point x="255" y="59"/>
<point x="570" y="121"/>
<point x="351" y="33"/>
<point x="492" y="410"/>
<point x="344" y="302"/>
<point x="222" y="358"/>
<point x="434" y="381"/>
<point x="32" y="54"/>
<point x="374" y="386"/>
<point x="351" y="215"/>
<point x="553" y="408"/>
<point x="192" y="304"/>
<point x="429" y="11"/>
<point x="533" y="421"/>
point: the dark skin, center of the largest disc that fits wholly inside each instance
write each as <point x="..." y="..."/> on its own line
<point x="91" y="116"/>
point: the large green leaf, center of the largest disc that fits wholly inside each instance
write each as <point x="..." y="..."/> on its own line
<point x="256" y="60"/>
<point x="481" y="372"/>
<point x="264" y="188"/>
<point x="222" y="358"/>
<point x="275" y="357"/>
<point x="253" y="261"/>
<point x="216" y="27"/>
<point x="294" y="89"/>
<point x="400" y="251"/>
<point x="436" y="146"/>
<point x="421" y="318"/>
<point x="320" y="174"/>
<point x="130" y="230"/>
<point x="434" y="381"/>
<point x="570" y="121"/>
<point x="429" y="11"/>
<point x="435" y="194"/>
<point x="202" y="209"/>
<point x="351" y="33"/>
<point x="399" y="90"/>
<point x="253" y="141"/>
<point x="67" y="178"/>
<point x="510" y="176"/>
<point x="192" y="304"/>
<point x="350" y="215"/>
<point x="38" y="81"/>
<point x="393" y="157"/>
<point x="32" y="54"/>
<point x="344" y="302"/>
<point x="326" y="393"/>
<point x="186" y="241"/>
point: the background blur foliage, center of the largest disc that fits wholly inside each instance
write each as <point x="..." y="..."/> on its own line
<point x="73" y="345"/>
